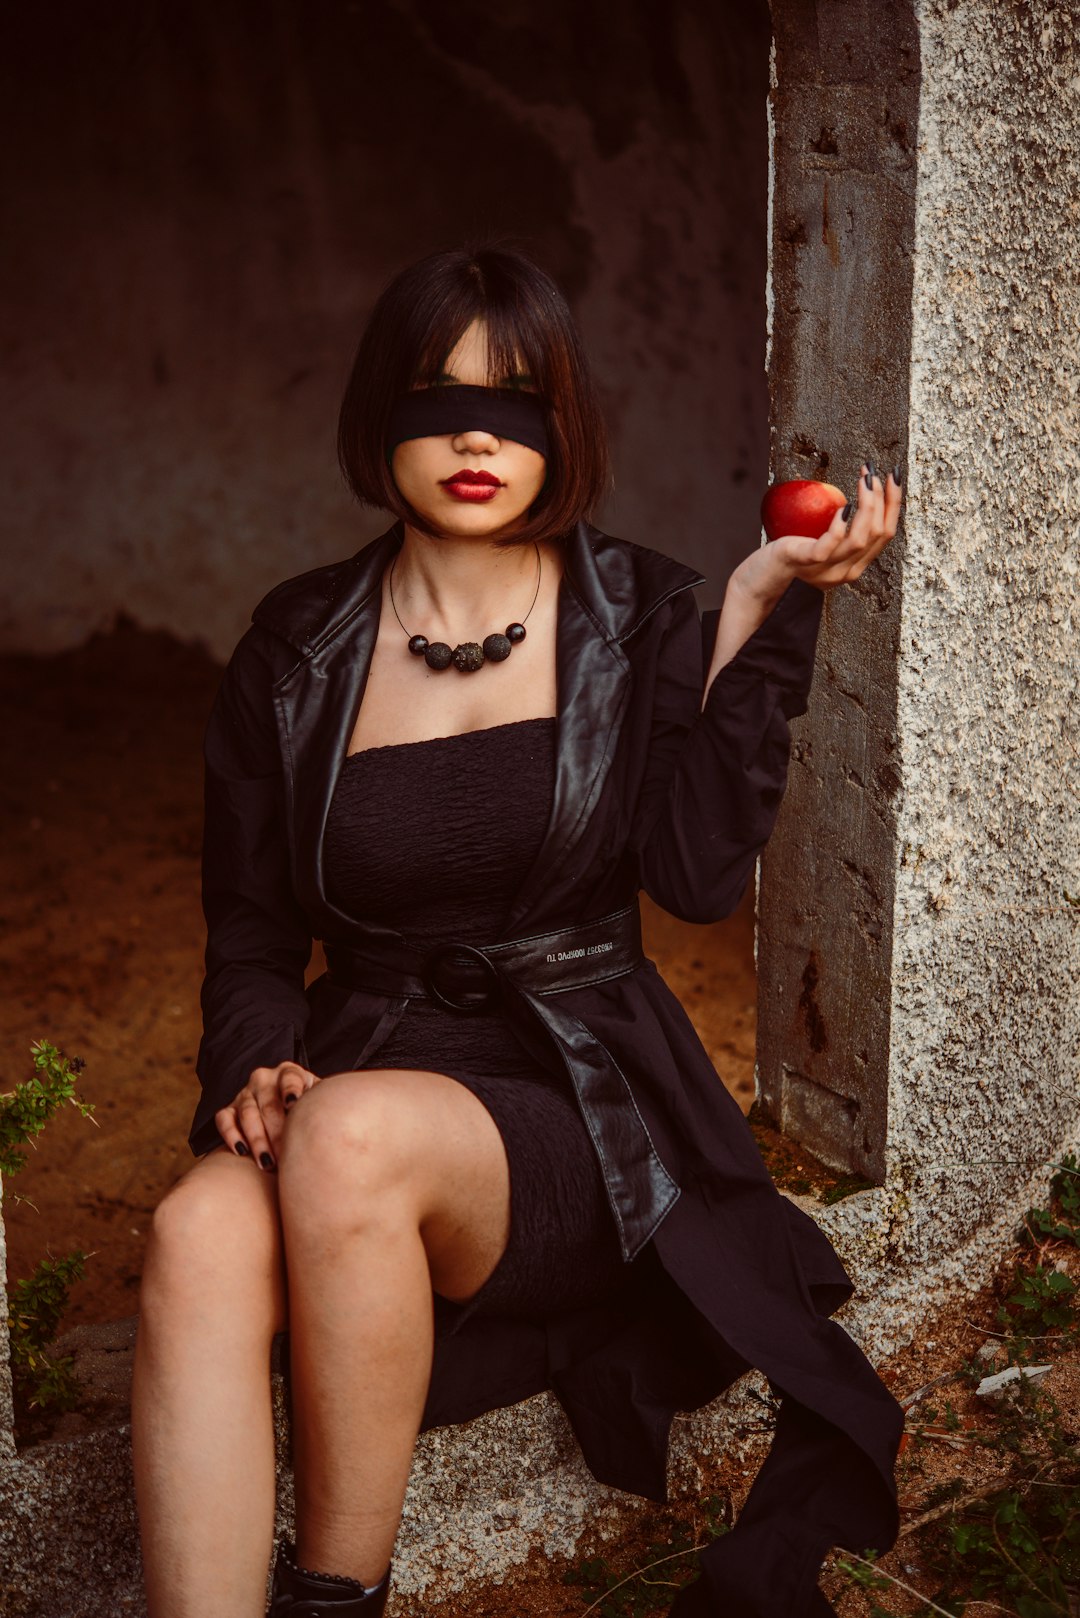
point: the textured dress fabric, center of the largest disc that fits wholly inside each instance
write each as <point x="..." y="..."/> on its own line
<point x="434" y="839"/>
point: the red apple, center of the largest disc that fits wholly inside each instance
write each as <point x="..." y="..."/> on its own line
<point x="800" y="506"/>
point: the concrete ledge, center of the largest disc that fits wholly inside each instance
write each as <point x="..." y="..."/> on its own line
<point x="483" y="1497"/>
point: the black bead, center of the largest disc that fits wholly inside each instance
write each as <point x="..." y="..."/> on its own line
<point x="515" y="632"/>
<point x="418" y="645"/>
<point x="438" y="655"/>
<point x="468" y="656"/>
<point x="496" y="648"/>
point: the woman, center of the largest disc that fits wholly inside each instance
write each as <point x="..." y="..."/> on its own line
<point x="485" y="1154"/>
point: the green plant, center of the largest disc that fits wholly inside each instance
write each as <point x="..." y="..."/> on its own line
<point x="1060" y="1221"/>
<point x="1039" y="1316"/>
<point x="35" y="1308"/>
<point x="26" y="1110"/>
<point x="37" y="1303"/>
<point x="651" y="1587"/>
<point x="1016" y="1547"/>
<point x="1021" y="1546"/>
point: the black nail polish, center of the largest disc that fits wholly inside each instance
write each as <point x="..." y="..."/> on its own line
<point x="896" y="475"/>
<point x="242" y="1150"/>
<point x="266" y="1160"/>
<point x="870" y="470"/>
<point x="847" y="511"/>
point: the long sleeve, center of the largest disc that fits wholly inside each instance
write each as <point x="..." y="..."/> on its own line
<point x="258" y="941"/>
<point x="716" y="775"/>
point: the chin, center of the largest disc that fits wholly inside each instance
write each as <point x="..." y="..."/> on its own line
<point x="478" y="523"/>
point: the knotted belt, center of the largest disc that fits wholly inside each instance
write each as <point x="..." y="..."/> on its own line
<point x="468" y="979"/>
<point x="525" y="976"/>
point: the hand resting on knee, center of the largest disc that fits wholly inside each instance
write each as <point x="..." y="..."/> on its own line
<point x="253" y="1121"/>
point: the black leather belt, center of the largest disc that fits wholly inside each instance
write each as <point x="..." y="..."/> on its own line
<point x="468" y="979"/>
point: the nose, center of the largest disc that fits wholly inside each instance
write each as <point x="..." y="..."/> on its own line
<point x="476" y="441"/>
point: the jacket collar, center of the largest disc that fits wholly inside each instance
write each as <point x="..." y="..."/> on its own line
<point x="330" y="616"/>
<point x="618" y="582"/>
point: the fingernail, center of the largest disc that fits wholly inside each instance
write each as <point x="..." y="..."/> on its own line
<point x="242" y="1149"/>
<point x="289" y="1098"/>
<point x="266" y="1160"/>
<point x="870" y="470"/>
<point x="896" y="475"/>
<point x="847" y="511"/>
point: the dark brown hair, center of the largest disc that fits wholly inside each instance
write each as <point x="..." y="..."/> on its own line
<point x="418" y="318"/>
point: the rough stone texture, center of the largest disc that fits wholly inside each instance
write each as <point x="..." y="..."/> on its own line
<point x="844" y="110"/>
<point x="985" y="1052"/>
<point x="482" y="1498"/>
<point x="203" y="202"/>
<point x="947" y="833"/>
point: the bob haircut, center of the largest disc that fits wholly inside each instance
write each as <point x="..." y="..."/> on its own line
<point x="418" y="318"/>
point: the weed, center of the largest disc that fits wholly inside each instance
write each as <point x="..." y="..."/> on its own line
<point x="1017" y="1544"/>
<point x="667" y="1566"/>
<point x="846" y="1187"/>
<point x="1060" y="1222"/>
<point x="35" y="1308"/>
<point x="1039" y="1315"/>
<point x="36" y="1304"/>
<point x="971" y="1372"/>
<point x="26" y="1110"/>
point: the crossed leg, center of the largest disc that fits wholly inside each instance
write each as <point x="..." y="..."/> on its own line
<point x="390" y="1184"/>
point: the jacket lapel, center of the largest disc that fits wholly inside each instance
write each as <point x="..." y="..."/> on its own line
<point x="331" y="617"/>
<point x="593" y="684"/>
<point x="608" y="589"/>
<point x="316" y="704"/>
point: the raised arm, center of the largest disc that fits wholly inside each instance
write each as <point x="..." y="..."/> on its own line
<point x="721" y="739"/>
<point x="258" y="942"/>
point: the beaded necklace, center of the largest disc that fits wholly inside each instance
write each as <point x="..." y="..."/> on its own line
<point x="468" y="655"/>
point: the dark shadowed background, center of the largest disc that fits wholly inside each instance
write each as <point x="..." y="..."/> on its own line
<point x="202" y="200"/>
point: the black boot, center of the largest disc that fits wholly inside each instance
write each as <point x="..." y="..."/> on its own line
<point x="298" y="1593"/>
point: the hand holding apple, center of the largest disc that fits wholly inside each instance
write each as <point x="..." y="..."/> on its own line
<point x="806" y="523"/>
<point x="800" y="506"/>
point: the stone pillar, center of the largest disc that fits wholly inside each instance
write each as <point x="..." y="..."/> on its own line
<point x="843" y="118"/>
<point x="919" y="954"/>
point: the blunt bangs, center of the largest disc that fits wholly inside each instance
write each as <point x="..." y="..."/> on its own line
<point x="417" y="320"/>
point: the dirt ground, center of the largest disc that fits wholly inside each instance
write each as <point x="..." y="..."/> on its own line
<point x="102" y="937"/>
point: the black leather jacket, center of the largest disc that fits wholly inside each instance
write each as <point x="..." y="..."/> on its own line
<point x="647" y="795"/>
<point x="652" y="792"/>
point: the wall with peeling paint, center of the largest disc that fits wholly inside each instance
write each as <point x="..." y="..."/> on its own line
<point x="202" y="203"/>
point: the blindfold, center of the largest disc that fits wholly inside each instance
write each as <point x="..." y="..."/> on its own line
<point x="506" y="412"/>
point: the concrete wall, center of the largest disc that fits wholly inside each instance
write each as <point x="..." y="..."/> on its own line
<point x="984" y="1084"/>
<point x="845" y="111"/>
<point x="935" y="802"/>
<point x="202" y="203"/>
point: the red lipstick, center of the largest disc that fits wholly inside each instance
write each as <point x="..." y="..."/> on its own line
<point x="470" y="485"/>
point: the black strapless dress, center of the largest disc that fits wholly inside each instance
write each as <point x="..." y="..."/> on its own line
<point x="434" y="839"/>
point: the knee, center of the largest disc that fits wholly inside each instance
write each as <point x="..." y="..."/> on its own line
<point x="349" y="1149"/>
<point x="202" y="1226"/>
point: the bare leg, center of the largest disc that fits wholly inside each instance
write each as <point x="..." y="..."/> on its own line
<point x="391" y="1184"/>
<point x="212" y="1297"/>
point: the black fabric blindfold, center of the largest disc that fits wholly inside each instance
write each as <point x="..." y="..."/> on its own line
<point x="429" y="412"/>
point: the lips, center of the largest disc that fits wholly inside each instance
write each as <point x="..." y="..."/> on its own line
<point x="469" y="485"/>
<point x="483" y="479"/>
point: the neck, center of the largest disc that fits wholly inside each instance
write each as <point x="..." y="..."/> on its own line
<point x="461" y="587"/>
